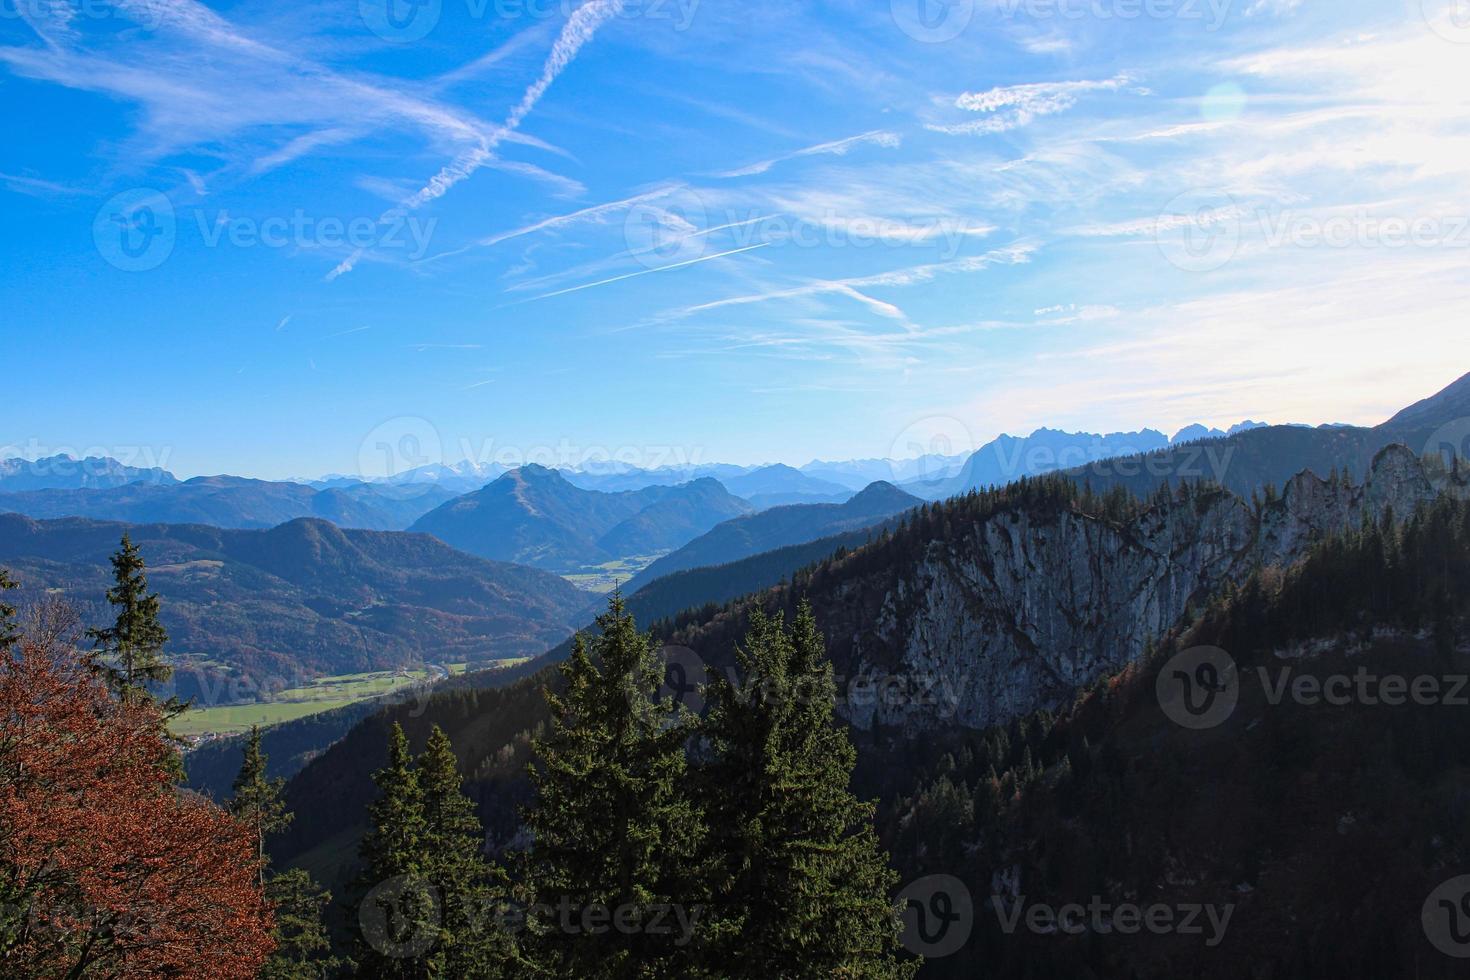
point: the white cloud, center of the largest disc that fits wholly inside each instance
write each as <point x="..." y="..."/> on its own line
<point x="1013" y="106"/>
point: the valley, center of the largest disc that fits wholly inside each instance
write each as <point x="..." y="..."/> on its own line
<point x="322" y="694"/>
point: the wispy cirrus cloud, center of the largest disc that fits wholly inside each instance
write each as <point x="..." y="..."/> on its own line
<point x="592" y="213"/>
<point x="1013" y="106"/>
<point x="201" y="82"/>
<point x="878" y="137"/>
<point x="852" y="288"/>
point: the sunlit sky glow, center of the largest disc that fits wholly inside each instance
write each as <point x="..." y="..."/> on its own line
<point x="719" y="230"/>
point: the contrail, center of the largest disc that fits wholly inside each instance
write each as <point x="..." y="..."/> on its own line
<point x="634" y="275"/>
<point x="579" y="29"/>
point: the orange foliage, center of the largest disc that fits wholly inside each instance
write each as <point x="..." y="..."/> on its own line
<point x="106" y="869"/>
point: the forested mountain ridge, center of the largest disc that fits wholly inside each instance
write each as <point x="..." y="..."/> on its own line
<point x="1007" y="602"/>
<point x="303" y="598"/>
<point x="1273" y="814"/>
<point x="779" y="527"/>
<point x="985" y="607"/>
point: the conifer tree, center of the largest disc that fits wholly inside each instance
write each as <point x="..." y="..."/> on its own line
<point x="802" y="886"/>
<point x="257" y="799"/>
<point x="399" y="910"/>
<point x="302" y="944"/>
<point x="470" y="890"/>
<point x="8" y="632"/>
<point x="615" y="832"/>
<point x="301" y="938"/>
<point x="132" y="646"/>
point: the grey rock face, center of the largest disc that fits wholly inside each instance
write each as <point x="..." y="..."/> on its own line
<point x="1019" y="611"/>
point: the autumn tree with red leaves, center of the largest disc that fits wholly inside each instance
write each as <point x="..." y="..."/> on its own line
<point x="107" y="869"/>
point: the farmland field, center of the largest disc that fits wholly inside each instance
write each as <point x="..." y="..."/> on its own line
<point x="323" y="694"/>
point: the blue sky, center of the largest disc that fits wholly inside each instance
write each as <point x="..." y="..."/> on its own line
<point x="273" y="238"/>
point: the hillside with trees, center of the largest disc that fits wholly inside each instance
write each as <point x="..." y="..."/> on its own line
<point x="248" y="608"/>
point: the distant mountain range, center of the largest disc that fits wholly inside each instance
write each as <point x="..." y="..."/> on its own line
<point x="772" y="486"/>
<point x="303" y="598"/>
<point x="1249" y="460"/>
<point x="64" y="472"/>
<point x="106" y="489"/>
<point x="762" y="486"/>
<point x="232" y="502"/>
<point x="535" y="516"/>
<point x="855" y="474"/>
<point x="1007" y="458"/>
<point x="779" y="527"/>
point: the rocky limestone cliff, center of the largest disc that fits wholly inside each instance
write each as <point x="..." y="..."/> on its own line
<point x="1017" y="610"/>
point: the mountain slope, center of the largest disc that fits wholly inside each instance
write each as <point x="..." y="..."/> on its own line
<point x="694" y="589"/>
<point x="1015" y="599"/>
<point x="970" y="613"/>
<point x="1446" y="407"/>
<point x="1274" y="809"/>
<point x="686" y="512"/>
<point x="778" y="528"/>
<point x="535" y="516"/>
<point x="300" y="599"/>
